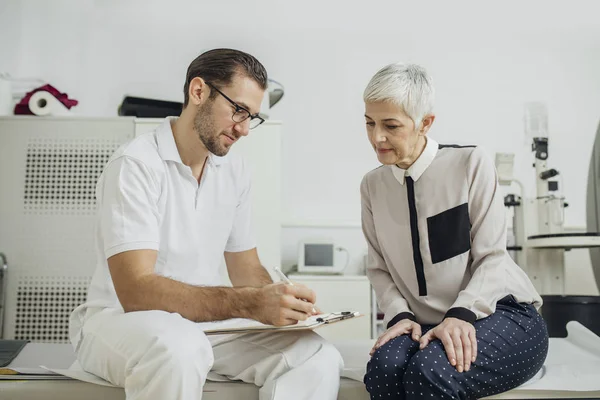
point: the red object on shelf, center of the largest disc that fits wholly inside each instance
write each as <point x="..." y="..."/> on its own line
<point x="22" y="108"/>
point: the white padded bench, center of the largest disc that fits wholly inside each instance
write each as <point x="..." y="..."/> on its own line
<point x="572" y="370"/>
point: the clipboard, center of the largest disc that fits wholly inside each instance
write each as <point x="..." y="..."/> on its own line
<point x="311" y="323"/>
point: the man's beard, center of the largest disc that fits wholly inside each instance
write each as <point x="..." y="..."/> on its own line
<point x="205" y="128"/>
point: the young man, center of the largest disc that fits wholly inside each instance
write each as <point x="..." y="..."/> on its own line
<point x="171" y="203"/>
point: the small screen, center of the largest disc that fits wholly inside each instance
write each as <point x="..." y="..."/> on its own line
<point x="318" y="255"/>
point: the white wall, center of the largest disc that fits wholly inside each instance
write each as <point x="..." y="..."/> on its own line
<point x="11" y="36"/>
<point x="487" y="60"/>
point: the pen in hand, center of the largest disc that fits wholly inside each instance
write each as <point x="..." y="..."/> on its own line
<point x="287" y="281"/>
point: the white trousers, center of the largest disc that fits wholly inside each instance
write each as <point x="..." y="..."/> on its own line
<point x="160" y="355"/>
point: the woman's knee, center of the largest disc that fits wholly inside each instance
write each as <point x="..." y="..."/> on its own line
<point x="429" y="370"/>
<point x="378" y="365"/>
<point x="420" y="370"/>
<point x="388" y="362"/>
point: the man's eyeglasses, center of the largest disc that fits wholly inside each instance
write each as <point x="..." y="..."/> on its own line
<point x="240" y="114"/>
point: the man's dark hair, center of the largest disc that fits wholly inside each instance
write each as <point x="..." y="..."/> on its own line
<point x="219" y="66"/>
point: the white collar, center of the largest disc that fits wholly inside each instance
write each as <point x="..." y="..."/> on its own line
<point x="420" y="165"/>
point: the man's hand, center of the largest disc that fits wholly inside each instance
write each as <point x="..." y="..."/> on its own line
<point x="280" y="304"/>
<point x="402" y="327"/>
<point x="458" y="338"/>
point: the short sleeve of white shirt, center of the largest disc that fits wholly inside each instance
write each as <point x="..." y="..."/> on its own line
<point x="242" y="235"/>
<point x="128" y="200"/>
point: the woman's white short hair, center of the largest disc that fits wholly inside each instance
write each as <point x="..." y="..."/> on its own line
<point x="406" y="85"/>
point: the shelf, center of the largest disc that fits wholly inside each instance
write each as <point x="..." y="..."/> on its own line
<point x="564" y="241"/>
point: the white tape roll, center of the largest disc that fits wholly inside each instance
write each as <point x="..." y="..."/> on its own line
<point x="43" y="103"/>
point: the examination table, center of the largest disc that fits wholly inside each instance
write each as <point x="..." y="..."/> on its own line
<point x="572" y="370"/>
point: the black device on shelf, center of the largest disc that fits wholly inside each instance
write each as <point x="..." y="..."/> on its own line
<point x="149" y="108"/>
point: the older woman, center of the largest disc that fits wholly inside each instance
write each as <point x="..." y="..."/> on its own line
<point x="462" y="318"/>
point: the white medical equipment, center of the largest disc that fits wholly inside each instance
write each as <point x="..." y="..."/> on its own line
<point x="318" y="256"/>
<point x="48" y="173"/>
<point x="538" y="223"/>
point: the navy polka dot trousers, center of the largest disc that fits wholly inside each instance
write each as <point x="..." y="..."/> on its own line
<point x="512" y="345"/>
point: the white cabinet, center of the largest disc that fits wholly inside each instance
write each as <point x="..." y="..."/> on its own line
<point x="341" y="293"/>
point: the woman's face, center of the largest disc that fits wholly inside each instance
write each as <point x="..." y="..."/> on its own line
<point x="393" y="135"/>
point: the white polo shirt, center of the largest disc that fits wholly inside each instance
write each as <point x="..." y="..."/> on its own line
<point x="148" y="199"/>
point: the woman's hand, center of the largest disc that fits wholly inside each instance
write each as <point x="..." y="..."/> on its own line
<point x="402" y="327"/>
<point x="458" y="338"/>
